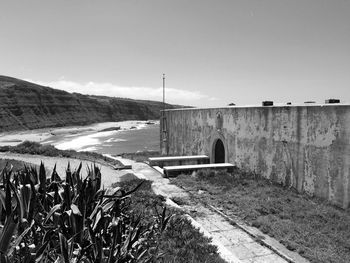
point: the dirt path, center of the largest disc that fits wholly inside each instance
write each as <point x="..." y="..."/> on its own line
<point x="109" y="175"/>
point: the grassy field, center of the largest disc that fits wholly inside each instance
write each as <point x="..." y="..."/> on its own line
<point x="316" y="230"/>
<point x="84" y="223"/>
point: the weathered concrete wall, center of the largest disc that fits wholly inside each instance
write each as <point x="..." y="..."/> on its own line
<point x="305" y="147"/>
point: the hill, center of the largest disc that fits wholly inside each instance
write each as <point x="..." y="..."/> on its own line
<point x="25" y="105"/>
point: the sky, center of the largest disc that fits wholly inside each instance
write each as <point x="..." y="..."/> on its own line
<point x="213" y="52"/>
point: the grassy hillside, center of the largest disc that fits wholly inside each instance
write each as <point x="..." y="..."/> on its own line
<point x="25" y="105"/>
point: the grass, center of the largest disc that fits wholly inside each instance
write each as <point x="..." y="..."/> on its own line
<point x="180" y="242"/>
<point x="35" y="148"/>
<point x="315" y="229"/>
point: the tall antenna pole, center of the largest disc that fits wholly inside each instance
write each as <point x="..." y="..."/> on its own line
<point x="163" y="121"/>
<point x="163" y="93"/>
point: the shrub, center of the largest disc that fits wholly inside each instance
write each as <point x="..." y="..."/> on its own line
<point x="5" y="148"/>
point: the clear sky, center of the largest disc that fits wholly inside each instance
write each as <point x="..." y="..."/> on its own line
<point x="212" y="52"/>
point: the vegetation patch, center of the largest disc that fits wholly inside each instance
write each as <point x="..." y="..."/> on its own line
<point x="315" y="229"/>
<point x="74" y="220"/>
<point x="180" y="242"/>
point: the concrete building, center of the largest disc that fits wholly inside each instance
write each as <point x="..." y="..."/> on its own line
<point x="306" y="147"/>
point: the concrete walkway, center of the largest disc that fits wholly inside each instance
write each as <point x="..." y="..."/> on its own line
<point x="234" y="244"/>
<point x="109" y="175"/>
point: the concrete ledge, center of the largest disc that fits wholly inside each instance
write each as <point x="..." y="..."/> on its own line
<point x="178" y="160"/>
<point x="222" y="250"/>
<point x="172" y="158"/>
<point x="125" y="167"/>
<point x="175" y="170"/>
<point x="158" y="169"/>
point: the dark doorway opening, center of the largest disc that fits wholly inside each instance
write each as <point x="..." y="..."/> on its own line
<point x="219" y="152"/>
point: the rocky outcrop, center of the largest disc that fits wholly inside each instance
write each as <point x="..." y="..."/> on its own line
<point x="25" y="105"/>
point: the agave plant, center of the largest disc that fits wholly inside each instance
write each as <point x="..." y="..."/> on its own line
<point x="14" y="214"/>
<point x="47" y="219"/>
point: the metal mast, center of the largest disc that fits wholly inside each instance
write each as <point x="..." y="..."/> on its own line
<point x="164" y="126"/>
<point x="163" y="93"/>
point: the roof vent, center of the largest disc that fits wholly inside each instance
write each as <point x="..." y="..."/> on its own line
<point x="267" y="103"/>
<point x="330" y="101"/>
<point x="289" y="103"/>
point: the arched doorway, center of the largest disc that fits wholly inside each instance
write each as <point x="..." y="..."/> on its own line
<point x="219" y="152"/>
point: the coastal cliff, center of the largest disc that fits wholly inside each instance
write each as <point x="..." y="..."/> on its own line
<point x="25" y="105"/>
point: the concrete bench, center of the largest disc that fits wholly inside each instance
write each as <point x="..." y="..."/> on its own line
<point x="178" y="160"/>
<point x="171" y="171"/>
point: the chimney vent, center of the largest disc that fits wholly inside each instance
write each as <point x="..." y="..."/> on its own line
<point x="330" y="101"/>
<point x="267" y="103"/>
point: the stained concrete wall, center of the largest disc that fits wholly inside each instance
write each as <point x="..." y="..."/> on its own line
<point x="305" y="147"/>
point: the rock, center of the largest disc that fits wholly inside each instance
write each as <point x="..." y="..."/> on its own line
<point x="110" y="129"/>
<point x="128" y="177"/>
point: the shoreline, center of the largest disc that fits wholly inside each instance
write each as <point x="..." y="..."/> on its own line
<point x="80" y="138"/>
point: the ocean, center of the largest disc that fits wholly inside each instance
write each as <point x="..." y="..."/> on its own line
<point x="131" y="136"/>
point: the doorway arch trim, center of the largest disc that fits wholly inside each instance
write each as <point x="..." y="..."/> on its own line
<point x="214" y="138"/>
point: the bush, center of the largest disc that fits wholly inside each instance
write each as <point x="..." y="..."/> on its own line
<point x="35" y="148"/>
<point x="5" y="148"/>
